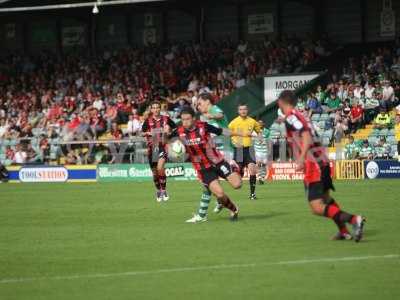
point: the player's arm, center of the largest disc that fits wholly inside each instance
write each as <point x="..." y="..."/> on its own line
<point x="214" y="130"/>
<point x="146" y="129"/>
<point x="305" y="140"/>
<point x="305" y="144"/>
<point x="217" y="115"/>
<point x="223" y="131"/>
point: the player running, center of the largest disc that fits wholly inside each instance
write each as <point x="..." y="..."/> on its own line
<point x="310" y="157"/>
<point x="214" y="116"/>
<point x="155" y="128"/>
<point x="243" y="148"/>
<point x="207" y="161"/>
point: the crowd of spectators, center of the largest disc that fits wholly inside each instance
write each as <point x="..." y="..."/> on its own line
<point x="49" y="99"/>
<point x="367" y="92"/>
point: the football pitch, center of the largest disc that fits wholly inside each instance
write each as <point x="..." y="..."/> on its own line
<point x="114" y="241"/>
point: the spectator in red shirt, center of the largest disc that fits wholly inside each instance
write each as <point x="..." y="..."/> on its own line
<point x="115" y="131"/>
<point x="356" y="117"/>
<point x="111" y="114"/>
<point x="9" y="153"/>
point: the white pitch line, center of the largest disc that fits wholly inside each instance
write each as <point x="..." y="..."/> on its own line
<point x="202" y="268"/>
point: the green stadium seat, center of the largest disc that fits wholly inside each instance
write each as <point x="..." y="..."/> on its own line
<point x="36" y="131"/>
<point x="328" y="133"/>
<point x="54" y="141"/>
<point x="383" y="132"/>
<point x="375" y="132"/>
<point x="393" y="149"/>
<point x="315" y="117"/>
<point x="324" y="117"/>
<point x="7" y="162"/>
<point x="326" y="141"/>
<point x="372" y="140"/>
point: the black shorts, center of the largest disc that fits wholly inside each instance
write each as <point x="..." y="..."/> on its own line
<point x="154" y="155"/>
<point x="316" y="190"/>
<point x="222" y="169"/>
<point x="244" y="156"/>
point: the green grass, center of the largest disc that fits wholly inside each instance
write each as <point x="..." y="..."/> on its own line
<point x="48" y="231"/>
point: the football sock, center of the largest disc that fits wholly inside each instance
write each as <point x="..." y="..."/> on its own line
<point x="156" y="179"/>
<point x="253" y="180"/>
<point x="227" y="203"/>
<point x="163" y="180"/>
<point x="337" y="215"/>
<point x="341" y="226"/>
<point x="262" y="172"/>
<point x="204" y="203"/>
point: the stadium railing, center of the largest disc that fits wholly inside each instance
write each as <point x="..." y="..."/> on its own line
<point x="349" y="169"/>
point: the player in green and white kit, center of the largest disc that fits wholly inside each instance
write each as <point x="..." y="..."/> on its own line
<point x="261" y="150"/>
<point x="213" y="115"/>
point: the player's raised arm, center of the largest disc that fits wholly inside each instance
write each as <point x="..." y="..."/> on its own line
<point x="224" y="131"/>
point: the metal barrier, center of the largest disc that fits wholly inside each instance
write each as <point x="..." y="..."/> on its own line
<point x="349" y="169"/>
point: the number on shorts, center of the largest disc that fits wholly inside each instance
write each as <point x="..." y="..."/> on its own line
<point x="224" y="170"/>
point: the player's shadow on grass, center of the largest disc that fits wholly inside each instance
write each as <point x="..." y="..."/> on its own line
<point x="261" y="216"/>
<point x="244" y="217"/>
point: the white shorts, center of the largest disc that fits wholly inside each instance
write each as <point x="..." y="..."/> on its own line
<point x="262" y="157"/>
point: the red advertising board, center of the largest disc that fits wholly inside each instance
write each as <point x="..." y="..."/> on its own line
<point x="287" y="171"/>
<point x="283" y="171"/>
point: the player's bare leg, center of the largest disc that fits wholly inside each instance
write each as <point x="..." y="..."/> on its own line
<point x="252" y="168"/>
<point x="333" y="212"/>
<point x="235" y="180"/>
<point x="216" y="188"/>
<point x="163" y="178"/>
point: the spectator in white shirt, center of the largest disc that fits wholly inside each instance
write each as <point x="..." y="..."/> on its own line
<point x="20" y="155"/>
<point x="369" y="91"/>
<point x="98" y="104"/>
<point x="387" y="92"/>
<point x="242" y="47"/>
<point x="3" y="127"/>
<point x="240" y="81"/>
<point x="193" y="84"/>
<point x="134" y="125"/>
<point x="358" y="91"/>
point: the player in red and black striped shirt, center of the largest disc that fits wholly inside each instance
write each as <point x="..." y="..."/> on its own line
<point x="208" y="162"/>
<point x="155" y="128"/>
<point x="311" y="158"/>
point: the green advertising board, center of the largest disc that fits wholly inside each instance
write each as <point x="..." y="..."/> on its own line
<point x="142" y="172"/>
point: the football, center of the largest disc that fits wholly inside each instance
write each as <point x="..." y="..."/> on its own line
<point x="176" y="150"/>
